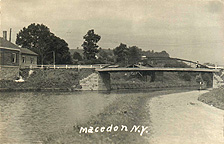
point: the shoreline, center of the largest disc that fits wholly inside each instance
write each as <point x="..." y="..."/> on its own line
<point x="73" y="89"/>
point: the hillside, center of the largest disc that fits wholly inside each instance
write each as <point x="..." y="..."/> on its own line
<point x="150" y="57"/>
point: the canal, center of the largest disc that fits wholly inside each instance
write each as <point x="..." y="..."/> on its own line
<point x="26" y="117"/>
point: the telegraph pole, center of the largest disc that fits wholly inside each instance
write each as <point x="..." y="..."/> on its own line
<point x="54" y="58"/>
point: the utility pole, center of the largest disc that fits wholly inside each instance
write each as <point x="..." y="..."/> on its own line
<point x="54" y="58"/>
<point x="10" y="34"/>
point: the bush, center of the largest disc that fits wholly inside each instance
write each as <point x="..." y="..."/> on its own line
<point x="199" y="79"/>
<point x="207" y="78"/>
<point x="185" y="76"/>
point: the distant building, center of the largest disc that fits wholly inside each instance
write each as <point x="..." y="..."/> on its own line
<point x="28" y="58"/>
<point x="12" y="58"/>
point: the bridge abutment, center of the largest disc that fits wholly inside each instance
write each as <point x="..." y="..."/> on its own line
<point x="104" y="82"/>
<point x="153" y="76"/>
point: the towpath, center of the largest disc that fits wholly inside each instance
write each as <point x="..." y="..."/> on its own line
<point x="181" y="119"/>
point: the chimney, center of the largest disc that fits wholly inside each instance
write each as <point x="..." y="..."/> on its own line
<point x="5" y="35"/>
<point x="10" y="33"/>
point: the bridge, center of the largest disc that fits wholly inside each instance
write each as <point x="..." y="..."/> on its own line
<point x="157" y="69"/>
<point x="153" y="72"/>
<point x="103" y="81"/>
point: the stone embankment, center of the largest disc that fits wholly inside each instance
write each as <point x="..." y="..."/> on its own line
<point x="90" y="82"/>
<point x="217" y="81"/>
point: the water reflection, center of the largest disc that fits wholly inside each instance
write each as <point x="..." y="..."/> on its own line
<point x="28" y="116"/>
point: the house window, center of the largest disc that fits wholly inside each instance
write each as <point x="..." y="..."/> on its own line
<point x="13" y="57"/>
<point x="31" y="60"/>
<point x="24" y="59"/>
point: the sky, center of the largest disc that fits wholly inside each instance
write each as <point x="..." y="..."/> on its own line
<point x="188" y="29"/>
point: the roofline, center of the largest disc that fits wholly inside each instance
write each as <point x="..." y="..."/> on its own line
<point x="29" y="53"/>
<point x="15" y="49"/>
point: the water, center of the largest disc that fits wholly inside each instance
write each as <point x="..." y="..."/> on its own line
<point x="27" y="117"/>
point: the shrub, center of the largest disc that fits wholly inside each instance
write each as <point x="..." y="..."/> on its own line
<point x="185" y="76"/>
<point x="207" y="78"/>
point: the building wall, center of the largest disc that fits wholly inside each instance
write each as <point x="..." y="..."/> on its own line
<point x="9" y="64"/>
<point x="7" y="57"/>
<point x="30" y="61"/>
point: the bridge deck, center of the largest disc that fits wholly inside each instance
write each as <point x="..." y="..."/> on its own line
<point x="157" y="69"/>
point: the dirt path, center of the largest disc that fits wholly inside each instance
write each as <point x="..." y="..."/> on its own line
<point x="181" y="118"/>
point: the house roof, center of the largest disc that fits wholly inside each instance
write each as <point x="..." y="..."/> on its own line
<point x="6" y="44"/>
<point x="27" y="51"/>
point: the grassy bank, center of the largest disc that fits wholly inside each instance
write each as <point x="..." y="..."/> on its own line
<point x="47" y="79"/>
<point x="167" y="80"/>
<point x="68" y="80"/>
<point x="215" y="98"/>
<point x="127" y="110"/>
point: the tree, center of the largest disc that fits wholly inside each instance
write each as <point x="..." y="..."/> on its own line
<point x="121" y="53"/>
<point x="164" y="54"/>
<point x="134" y="55"/>
<point x="62" y="54"/>
<point x="90" y="45"/>
<point x="38" y="38"/>
<point x="77" y="56"/>
<point x="208" y="79"/>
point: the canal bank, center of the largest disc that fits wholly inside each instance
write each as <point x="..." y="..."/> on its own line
<point x="215" y="98"/>
<point x="88" y="79"/>
<point x="47" y="80"/>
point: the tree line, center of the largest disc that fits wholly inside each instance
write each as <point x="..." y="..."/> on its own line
<point x="39" y="38"/>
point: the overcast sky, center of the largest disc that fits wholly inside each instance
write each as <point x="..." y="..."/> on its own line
<point x="189" y="29"/>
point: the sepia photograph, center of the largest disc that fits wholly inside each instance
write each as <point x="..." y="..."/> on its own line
<point x="111" y="71"/>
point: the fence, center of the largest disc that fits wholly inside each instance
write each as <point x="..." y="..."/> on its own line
<point x="68" y="66"/>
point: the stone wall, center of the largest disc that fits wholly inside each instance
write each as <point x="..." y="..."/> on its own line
<point x="96" y="81"/>
<point x="90" y="82"/>
<point x="9" y="73"/>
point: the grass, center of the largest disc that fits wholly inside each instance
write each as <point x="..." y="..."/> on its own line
<point x="168" y="80"/>
<point x="63" y="79"/>
<point x="215" y="98"/>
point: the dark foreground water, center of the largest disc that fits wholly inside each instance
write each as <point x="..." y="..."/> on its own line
<point x="27" y="117"/>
